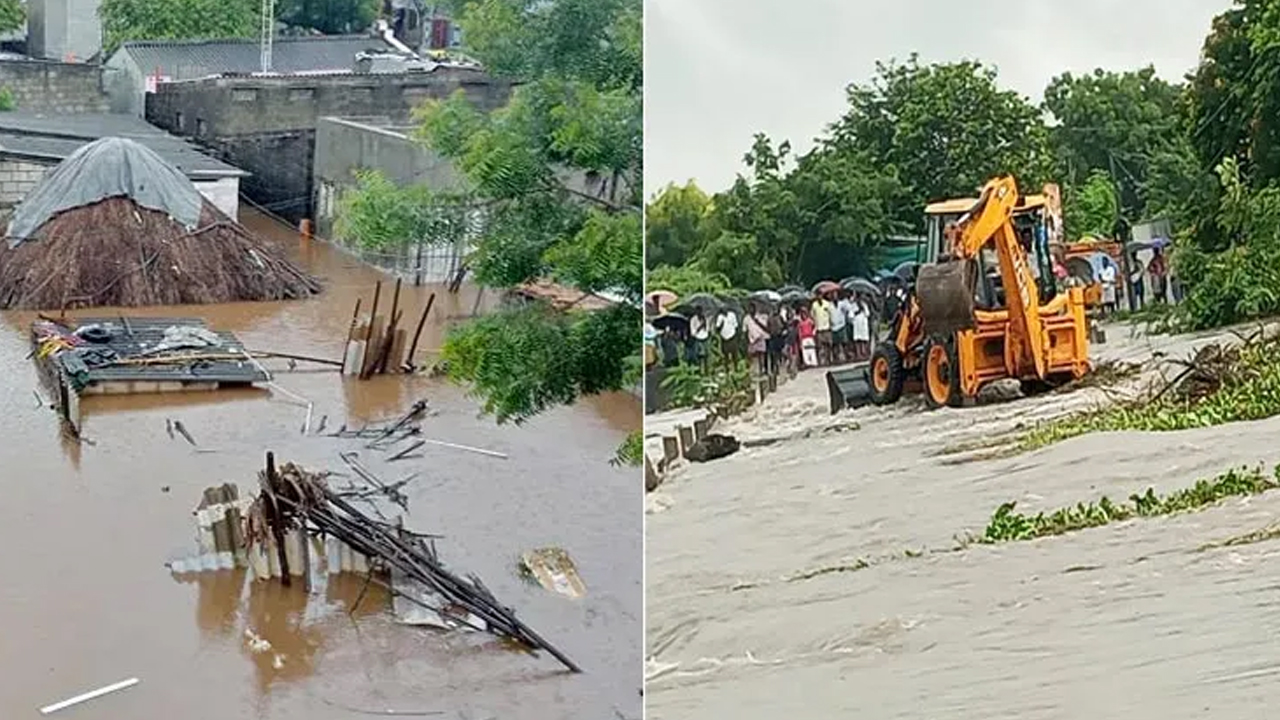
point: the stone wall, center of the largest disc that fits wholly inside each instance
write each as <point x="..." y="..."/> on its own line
<point x="54" y="87"/>
<point x="17" y="178"/>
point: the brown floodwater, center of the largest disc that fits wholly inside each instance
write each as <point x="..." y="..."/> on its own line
<point x="87" y="600"/>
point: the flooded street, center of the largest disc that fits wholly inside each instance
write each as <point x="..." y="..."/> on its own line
<point x="88" y="601"/>
<point x="759" y="606"/>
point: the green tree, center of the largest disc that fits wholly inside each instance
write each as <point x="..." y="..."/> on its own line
<point x="330" y="17"/>
<point x="125" y="20"/>
<point x="380" y="215"/>
<point x="678" y="222"/>
<point x="1092" y="208"/>
<point x="1132" y="125"/>
<point x="944" y="130"/>
<point x="576" y="113"/>
<point x="13" y="13"/>
<point x="686" y="280"/>
<point x="818" y="216"/>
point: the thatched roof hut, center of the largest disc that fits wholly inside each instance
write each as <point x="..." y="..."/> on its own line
<point x="116" y="225"/>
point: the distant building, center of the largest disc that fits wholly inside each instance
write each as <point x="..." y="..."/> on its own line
<point x="136" y="68"/>
<point x="31" y="144"/>
<point x="66" y="30"/>
<point x="266" y="123"/>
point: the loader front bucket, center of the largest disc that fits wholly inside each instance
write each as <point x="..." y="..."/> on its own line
<point x="945" y="293"/>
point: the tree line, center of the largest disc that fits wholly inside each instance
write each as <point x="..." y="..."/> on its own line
<point x="1126" y="147"/>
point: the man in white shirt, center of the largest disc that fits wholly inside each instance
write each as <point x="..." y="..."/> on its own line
<point x="727" y="328"/>
<point x="840" y="329"/>
<point x="698" y="335"/>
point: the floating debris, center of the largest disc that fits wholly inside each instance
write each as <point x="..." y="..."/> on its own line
<point x="554" y="570"/>
<point x="297" y="522"/>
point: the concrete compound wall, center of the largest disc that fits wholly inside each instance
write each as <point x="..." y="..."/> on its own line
<point x="267" y="125"/>
<point x="54" y="87"/>
<point x="344" y="146"/>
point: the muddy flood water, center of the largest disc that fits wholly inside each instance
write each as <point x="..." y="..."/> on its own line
<point x="758" y="606"/>
<point x="87" y="599"/>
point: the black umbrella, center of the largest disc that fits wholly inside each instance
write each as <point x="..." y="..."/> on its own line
<point x="707" y="302"/>
<point x="860" y="285"/>
<point x="728" y="302"/>
<point x="789" y="288"/>
<point x="907" y="271"/>
<point x="767" y="296"/>
<point x="672" y="321"/>
<point x="795" y="296"/>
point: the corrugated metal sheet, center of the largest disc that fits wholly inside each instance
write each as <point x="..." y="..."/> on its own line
<point x="54" y="137"/>
<point x="188" y="60"/>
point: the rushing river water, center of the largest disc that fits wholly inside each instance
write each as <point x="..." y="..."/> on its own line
<point x="87" y="600"/>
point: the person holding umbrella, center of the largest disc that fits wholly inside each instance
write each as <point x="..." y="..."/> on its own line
<point x="757" y="323"/>
<point x="696" y="347"/>
<point x="839" y="327"/>
<point x="821" y="313"/>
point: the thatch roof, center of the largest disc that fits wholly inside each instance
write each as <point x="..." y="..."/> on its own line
<point x="115" y="225"/>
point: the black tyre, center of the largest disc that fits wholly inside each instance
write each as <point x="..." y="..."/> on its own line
<point x="940" y="371"/>
<point x="1035" y="386"/>
<point x="885" y="374"/>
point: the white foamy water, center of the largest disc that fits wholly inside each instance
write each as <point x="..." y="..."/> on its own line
<point x="755" y="608"/>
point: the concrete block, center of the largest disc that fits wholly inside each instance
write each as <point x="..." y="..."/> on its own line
<point x="651" y="478"/>
<point x="670" y="450"/>
<point x="686" y="439"/>
<point x="700" y="428"/>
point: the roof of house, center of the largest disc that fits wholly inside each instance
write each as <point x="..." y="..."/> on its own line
<point x="54" y="137"/>
<point x="191" y="59"/>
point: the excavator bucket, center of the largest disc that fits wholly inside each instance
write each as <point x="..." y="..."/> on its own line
<point x="945" y="293"/>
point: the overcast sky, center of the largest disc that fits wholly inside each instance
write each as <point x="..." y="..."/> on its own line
<point x="718" y="71"/>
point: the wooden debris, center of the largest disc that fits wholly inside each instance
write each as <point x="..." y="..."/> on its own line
<point x="296" y="499"/>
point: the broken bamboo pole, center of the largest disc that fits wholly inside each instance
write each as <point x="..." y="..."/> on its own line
<point x="422" y="320"/>
<point x="355" y="318"/>
<point x="391" y="328"/>
<point x="373" y="321"/>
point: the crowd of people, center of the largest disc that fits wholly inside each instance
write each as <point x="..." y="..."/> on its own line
<point x="831" y="329"/>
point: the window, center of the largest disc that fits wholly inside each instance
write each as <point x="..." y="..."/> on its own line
<point x="177" y="121"/>
<point x="244" y="95"/>
<point x="201" y="128"/>
<point x="306" y="94"/>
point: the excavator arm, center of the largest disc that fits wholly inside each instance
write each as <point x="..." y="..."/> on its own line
<point x="945" y="290"/>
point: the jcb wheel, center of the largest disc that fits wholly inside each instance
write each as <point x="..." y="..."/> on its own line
<point x="1033" y="387"/>
<point x="941" y="373"/>
<point x="886" y="374"/>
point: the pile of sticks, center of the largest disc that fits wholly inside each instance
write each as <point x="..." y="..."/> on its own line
<point x="374" y="343"/>
<point x="293" y="498"/>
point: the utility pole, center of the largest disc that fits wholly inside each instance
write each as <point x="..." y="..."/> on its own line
<point x="267" y="33"/>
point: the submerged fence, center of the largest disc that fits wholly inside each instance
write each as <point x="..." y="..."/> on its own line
<point x="439" y="257"/>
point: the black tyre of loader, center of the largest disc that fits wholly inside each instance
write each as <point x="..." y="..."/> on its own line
<point x="1035" y="386"/>
<point x="940" y="371"/>
<point x="885" y="374"/>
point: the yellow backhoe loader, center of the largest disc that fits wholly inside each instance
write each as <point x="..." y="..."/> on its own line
<point x="984" y="306"/>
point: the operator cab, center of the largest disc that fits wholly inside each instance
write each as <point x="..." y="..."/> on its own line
<point x="1032" y="224"/>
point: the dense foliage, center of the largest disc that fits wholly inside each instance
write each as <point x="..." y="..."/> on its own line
<point x="330" y="17"/>
<point x="13" y="13"/>
<point x="559" y="170"/>
<point x="126" y="20"/>
<point x="1125" y="146"/>
<point x="378" y="214"/>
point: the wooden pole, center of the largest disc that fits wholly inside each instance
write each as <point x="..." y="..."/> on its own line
<point x="413" y="346"/>
<point x="355" y="317"/>
<point x="373" y="319"/>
